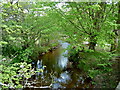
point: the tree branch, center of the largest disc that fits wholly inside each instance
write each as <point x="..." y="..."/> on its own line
<point x="77" y="27"/>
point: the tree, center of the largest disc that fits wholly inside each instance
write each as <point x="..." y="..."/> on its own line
<point x="114" y="45"/>
<point x="28" y="30"/>
<point x="88" y="21"/>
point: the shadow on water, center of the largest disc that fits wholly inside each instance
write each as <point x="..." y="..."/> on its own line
<point x="58" y="73"/>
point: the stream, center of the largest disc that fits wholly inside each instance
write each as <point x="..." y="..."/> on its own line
<point x="58" y="71"/>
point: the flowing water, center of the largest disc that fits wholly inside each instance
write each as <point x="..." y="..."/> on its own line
<point x="59" y="72"/>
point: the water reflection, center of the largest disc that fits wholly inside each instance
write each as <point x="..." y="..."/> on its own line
<point x="38" y="68"/>
<point x="65" y="77"/>
<point x="56" y="72"/>
<point x="56" y="60"/>
<point x="39" y="64"/>
<point x="63" y="60"/>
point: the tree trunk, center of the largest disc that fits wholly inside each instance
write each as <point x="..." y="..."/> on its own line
<point x="116" y="37"/>
<point x="113" y="46"/>
<point x="92" y="43"/>
<point x="97" y="19"/>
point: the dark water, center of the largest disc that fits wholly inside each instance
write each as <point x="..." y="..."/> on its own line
<point x="59" y="72"/>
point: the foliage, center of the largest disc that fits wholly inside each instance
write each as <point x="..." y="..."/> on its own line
<point x="25" y="32"/>
<point x="32" y="28"/>
<point x="96" y="64"/>
<point x="15" y="75"/>
<point x="88" y="22"/>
